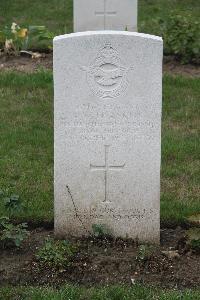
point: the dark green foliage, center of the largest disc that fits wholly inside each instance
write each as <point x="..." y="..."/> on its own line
<point x="12" y="235"/>
<point x="56" y="254"/>
<point x="13" y="204"/>
<point x="100" y="230"/>
<point x="3" y="222"/>
<point x="145" y="252"/>
<point x="193" y="238"/>
<point x="39" y="37"/>
<point x="181" y="36"/>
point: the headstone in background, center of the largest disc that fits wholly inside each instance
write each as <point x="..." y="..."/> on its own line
<point x="92" y="15"/>
<point x="108" y="94"/>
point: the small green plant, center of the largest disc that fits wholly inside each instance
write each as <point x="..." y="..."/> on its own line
<point x="56" y="254"/>
<point x="181" y="37"/>
<point x="13" y="204"/>
<point x="12" y="235"/>
<point x="193" y="238"/>
<point x="145" y="252"/>
<point x="194" y="219"/>
<point x="3" y="221"/>
<point x="39" y="37"/>
<point x="100" y="230"/>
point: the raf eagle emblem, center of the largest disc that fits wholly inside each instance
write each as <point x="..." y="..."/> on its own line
<point x="107" y="75"/>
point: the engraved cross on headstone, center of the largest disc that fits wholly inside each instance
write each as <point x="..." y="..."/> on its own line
<point x="105" y="13"/>
<point x="106" y="167"/>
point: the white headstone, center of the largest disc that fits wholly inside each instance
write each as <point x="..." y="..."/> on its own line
<point x="108" y="94"/>
<point x="105" y="15"/>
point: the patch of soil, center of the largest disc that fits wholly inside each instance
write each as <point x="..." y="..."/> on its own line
<point x="173" y="67"/>
<point x="105" y="261"/>
<point x="26" y="64"/>
<point x="29" y="65"/>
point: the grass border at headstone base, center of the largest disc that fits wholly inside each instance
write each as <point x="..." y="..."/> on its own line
<point x="70" y="292"/>
<point x="26" y="145"/>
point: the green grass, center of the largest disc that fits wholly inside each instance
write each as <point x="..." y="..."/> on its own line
<point x="109" y="293"/>
<point x="57" y="14"/>
<point x="26" y="144"/>
<point x="26" y="140"/>
<point x="180" y="192"/>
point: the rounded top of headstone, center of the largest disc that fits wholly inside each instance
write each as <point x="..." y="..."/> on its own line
<point x="108" y="32"/>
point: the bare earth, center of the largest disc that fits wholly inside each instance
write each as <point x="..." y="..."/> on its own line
<point x="29" y="65"/>
<point x="105" y="261"/>
<point x="102" y="261"/>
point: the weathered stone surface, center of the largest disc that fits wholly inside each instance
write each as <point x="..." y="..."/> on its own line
<point x="108" y="94"/>
<point x="105" y="15"/>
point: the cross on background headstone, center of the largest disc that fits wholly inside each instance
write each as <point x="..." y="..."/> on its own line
<point x="105" y="13"/>
<point x="106" y="167"/>
<point x="91" y="15"/>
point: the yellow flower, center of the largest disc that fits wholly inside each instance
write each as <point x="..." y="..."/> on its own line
<point x="22" y="33"/>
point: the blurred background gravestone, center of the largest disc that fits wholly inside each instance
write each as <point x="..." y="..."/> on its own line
<point x="105" y="15"/>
